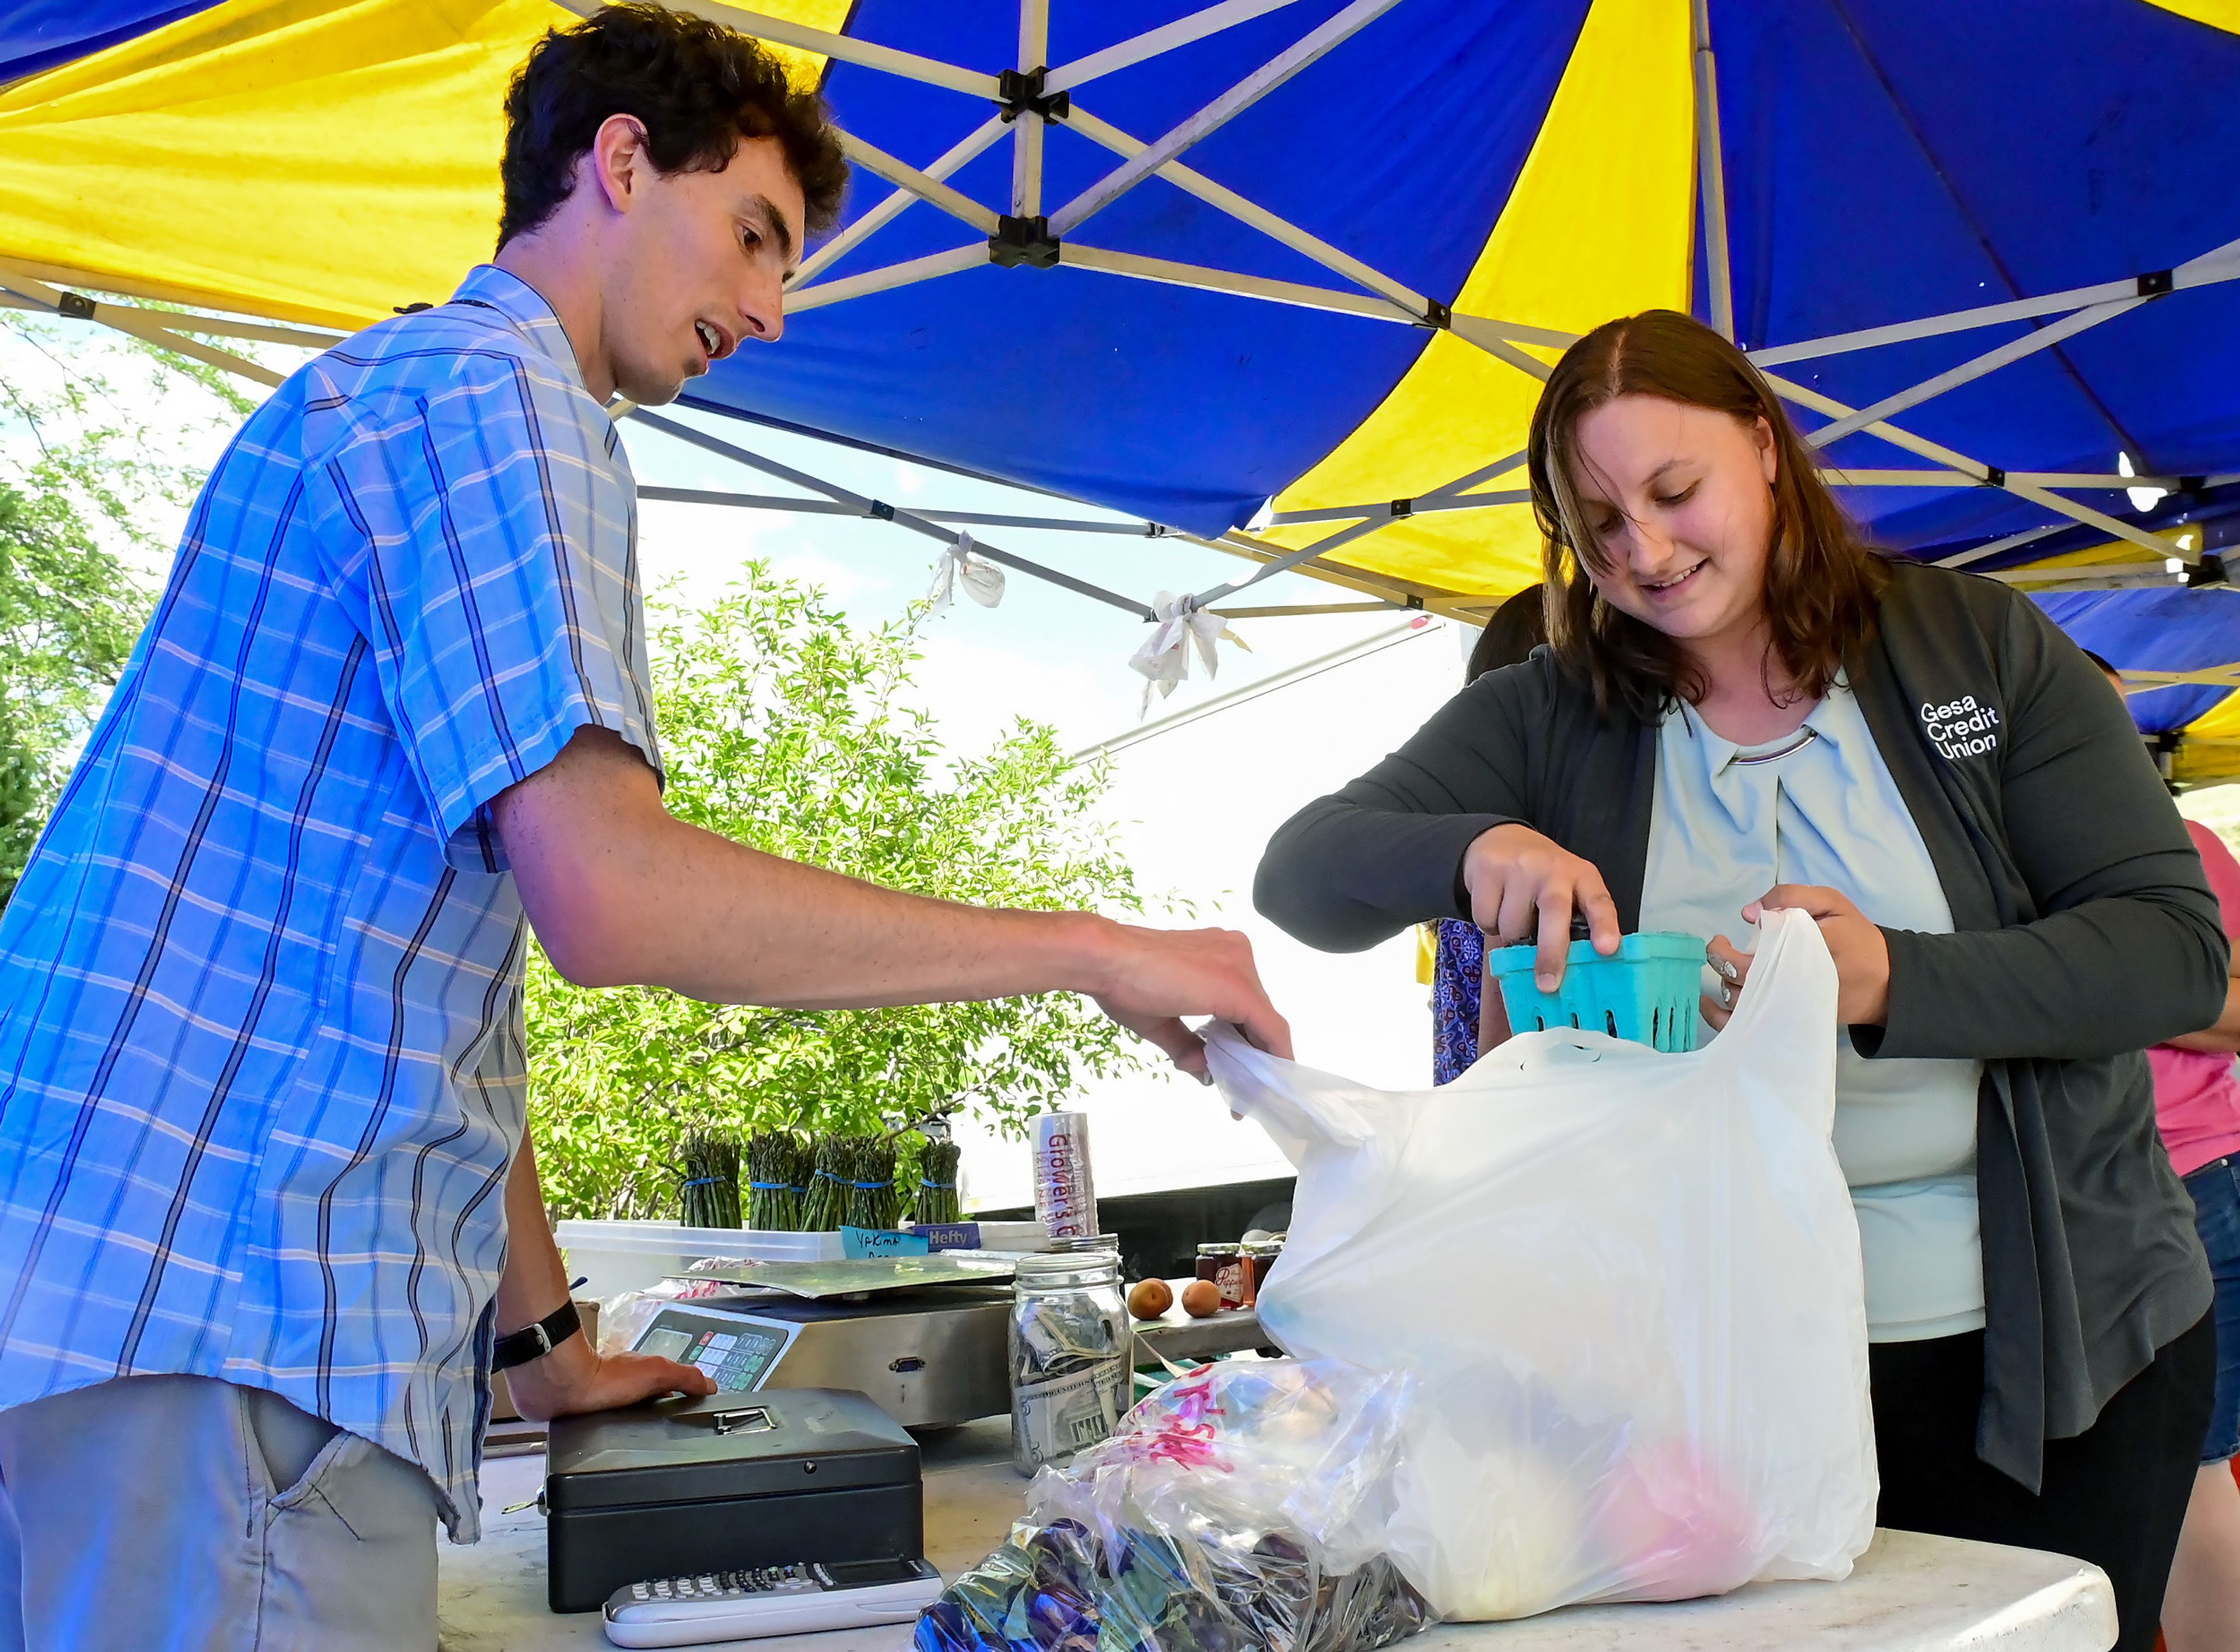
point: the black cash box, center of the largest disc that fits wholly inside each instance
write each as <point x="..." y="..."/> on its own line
<point x="725" y="1481"/>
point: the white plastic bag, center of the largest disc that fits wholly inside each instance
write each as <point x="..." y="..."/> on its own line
<point x="1302" y="1447"/>
<point x="1628" y="1284"/>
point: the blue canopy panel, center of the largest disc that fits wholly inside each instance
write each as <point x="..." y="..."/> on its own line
<point x="1889" y="159"/>
<point x="39" y="34"/>
<point x="2161" y="630"/>
<point x="1183" y="406"/>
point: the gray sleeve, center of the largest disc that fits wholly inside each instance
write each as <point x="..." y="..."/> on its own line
<point x="1386" y="850"/>
<point x="2131" y="951"/>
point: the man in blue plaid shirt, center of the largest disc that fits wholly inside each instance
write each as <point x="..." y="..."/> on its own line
<point x="269" y="1215"/>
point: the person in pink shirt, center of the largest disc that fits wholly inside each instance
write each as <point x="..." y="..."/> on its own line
<point x="2197" y="1105"/>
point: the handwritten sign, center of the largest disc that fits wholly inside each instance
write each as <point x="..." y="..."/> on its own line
<point x="857" y="1243"/>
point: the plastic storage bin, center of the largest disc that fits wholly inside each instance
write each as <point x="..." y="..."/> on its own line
<point x="630" y="1255"/>
<point x="621" y="1255"/>
<point x="1645" y="991"/>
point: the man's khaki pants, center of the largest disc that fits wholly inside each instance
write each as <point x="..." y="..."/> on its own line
<point x="180" y="1514"/>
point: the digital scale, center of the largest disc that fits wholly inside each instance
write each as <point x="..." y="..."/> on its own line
<point x="929" y="1357"/>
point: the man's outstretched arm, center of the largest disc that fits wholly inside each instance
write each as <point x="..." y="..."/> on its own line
<point x="622" y="893"/>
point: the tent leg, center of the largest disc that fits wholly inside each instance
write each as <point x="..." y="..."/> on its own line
<point x="1028" y="128"/>
<point x="1711" y="187"/>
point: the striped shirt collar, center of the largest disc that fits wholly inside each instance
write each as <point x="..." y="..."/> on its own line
<point x="530" y="311"/>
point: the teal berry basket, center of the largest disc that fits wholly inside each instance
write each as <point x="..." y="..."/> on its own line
<point x="1646" y="991"/>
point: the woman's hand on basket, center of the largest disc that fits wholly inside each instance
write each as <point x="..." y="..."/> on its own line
<point x="1854" y="942"/>
<point x="1523" y="886"/>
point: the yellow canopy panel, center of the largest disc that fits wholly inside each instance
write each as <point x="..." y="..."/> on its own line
<point x="300" y="159"/>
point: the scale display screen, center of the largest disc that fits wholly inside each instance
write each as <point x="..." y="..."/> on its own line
<point x="738" y="1351"/>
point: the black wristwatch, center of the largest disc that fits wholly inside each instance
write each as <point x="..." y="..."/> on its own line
<point x="534" y="1342"/>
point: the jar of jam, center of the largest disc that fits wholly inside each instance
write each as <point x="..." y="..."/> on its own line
<point x="1260" y="1255"/>
<point x="1226" y="1266"/>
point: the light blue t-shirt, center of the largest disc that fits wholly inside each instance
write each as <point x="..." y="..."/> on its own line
<point x="1819" y="807"/>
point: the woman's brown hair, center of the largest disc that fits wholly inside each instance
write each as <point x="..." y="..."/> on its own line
<point x="1821" y="580"/>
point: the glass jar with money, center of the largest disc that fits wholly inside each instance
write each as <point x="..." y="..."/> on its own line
<point x="1072" y="1353"/>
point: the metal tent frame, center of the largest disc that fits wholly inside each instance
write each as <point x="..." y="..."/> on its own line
<point x="1034" y="95"/>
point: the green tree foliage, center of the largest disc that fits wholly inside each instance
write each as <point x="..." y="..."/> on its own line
<point x="79" y="483"/>
<point x="782" y="727"/>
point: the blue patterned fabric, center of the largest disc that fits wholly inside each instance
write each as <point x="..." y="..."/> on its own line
<point x="1457" y="981"/>
<point x="260" y="985"/>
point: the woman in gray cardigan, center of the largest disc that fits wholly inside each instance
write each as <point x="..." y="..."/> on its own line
<point x="1742" y="707"/>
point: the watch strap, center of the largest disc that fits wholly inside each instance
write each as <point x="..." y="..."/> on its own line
<point x="534" y="1342"/>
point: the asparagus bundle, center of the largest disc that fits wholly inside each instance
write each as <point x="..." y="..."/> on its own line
<point x="711" y="1182"/>
<point x="778" y="1175"/>
<point x="936" y="1182"/>
<point x="830" y="1185"/>
<point x="871" y="1200"/>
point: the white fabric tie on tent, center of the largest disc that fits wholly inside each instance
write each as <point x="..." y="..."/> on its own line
<point x="983" y="580"/>
<point x="1164" y="657"/>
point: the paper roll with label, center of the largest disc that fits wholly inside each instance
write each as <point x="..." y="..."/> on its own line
<point x="1065" y="1196"/>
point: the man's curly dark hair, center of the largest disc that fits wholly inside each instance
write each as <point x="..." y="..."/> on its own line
<point x="697" y="87"/>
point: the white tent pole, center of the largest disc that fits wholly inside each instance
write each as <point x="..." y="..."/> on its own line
<point x="1990" y="361"/>
<point x="2219" y="265"/>
<point x="1027" y="135"/>
<point x="836" y="508"/>
<point x="1500" y="467"/>
<point x="818" y="294"/>
<point x="126" y="319"/>
<point x="1456" y="491"/>
<point x="1290" y="559"/>
<point x="1419" y="307"/>
<point x="1234" y="102"/>
<point x="2222" y="676"/>
<point x="1073" y="254"/>
<point x="2107" y="481"/>
<point x="981" y="138"/>
<point x="1419" y="625"/>
<point x="1444" y="500"/>
<point x="931" y="190"/>
<point x="1517" y="332"/>
<point x="2142" y="573"/>
<point x="1804" y="396"/>
<point x="2012" y="541"/>
<point x="1712" y="175"/>
<point x="2049" y="581"/>
<point x="1307" y="610"/>
<point x="1152" y="43"/>
<point x="880" y="509"/>
<point x="846" y="48"/>
<point x="175" y="321"/>
<point x="1398" y="508"/>
<point x="1245" y="211"/>
<point x="1471" y="331"/>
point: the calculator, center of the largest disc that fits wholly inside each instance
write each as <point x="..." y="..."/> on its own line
<point x="800" y="1599"/>
<point x="738" y="1350"/>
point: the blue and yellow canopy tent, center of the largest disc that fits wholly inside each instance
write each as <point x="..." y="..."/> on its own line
<point x="1281" y="276"/>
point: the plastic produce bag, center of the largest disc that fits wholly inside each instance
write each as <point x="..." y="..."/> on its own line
<point x="1240" y="1509"/>
<point x="1628" y="1284"/>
